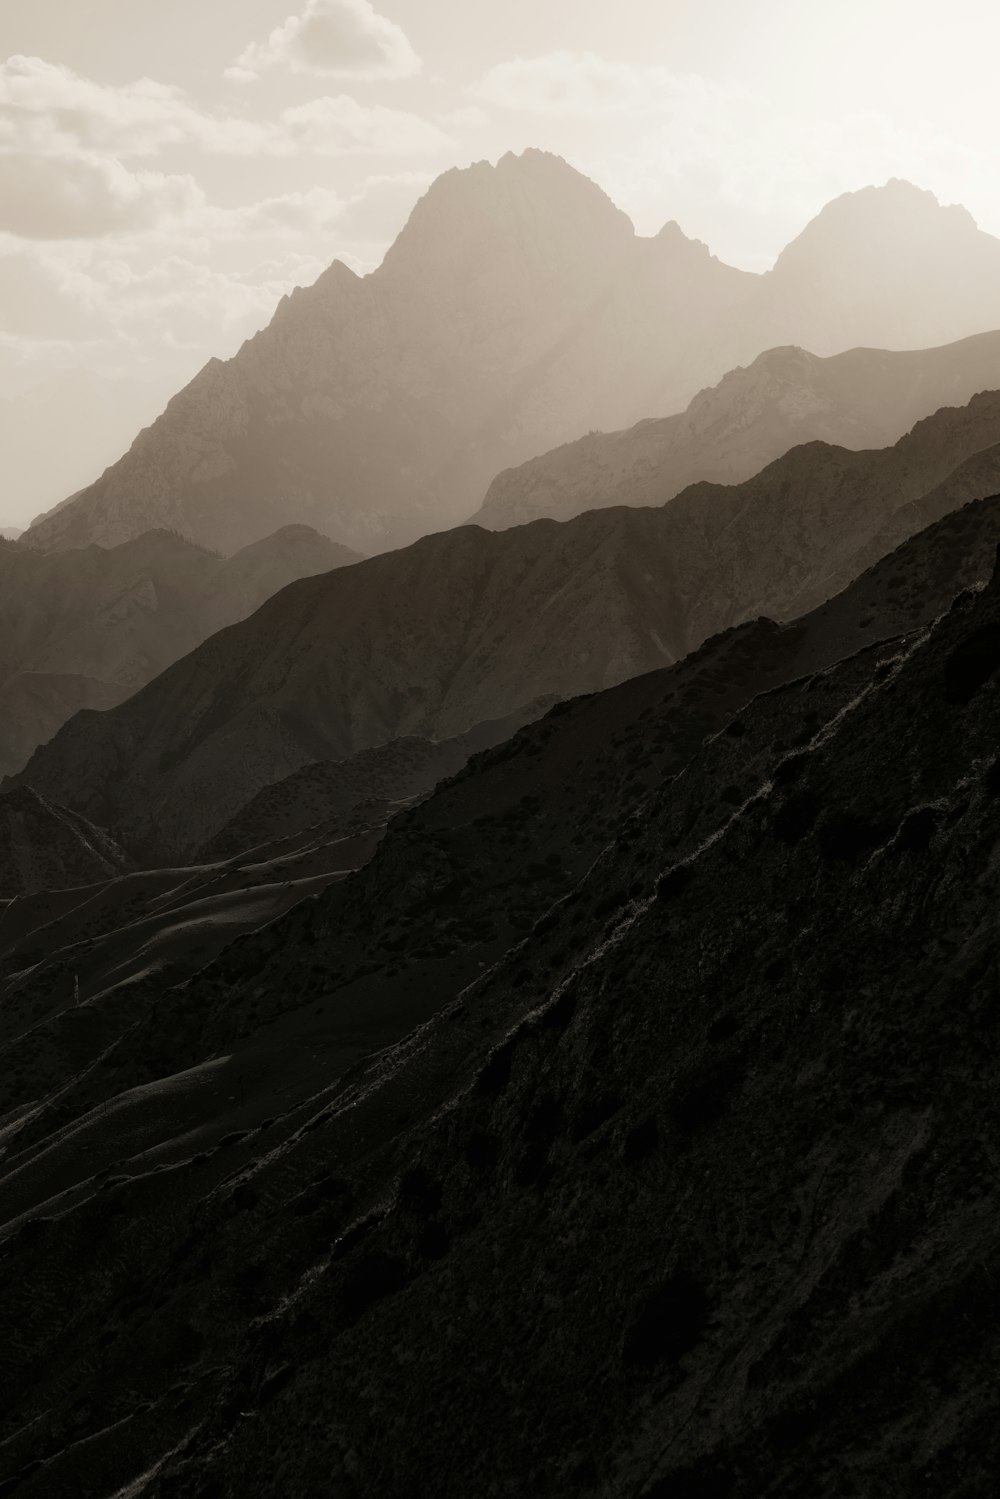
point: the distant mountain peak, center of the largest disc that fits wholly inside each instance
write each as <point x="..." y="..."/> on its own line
<point x="889" y="214"/>
<point x="535" y="203"/>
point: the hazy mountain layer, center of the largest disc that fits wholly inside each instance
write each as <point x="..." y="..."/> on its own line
<point x="84" y="629"/>
<point x="467" y="625"/>
<point x="865" y="398"/>
<point x="684" y="1195"/>
<point x="516" y="310"/>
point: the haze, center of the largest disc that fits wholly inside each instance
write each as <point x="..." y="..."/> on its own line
<point x="167" y="173"/>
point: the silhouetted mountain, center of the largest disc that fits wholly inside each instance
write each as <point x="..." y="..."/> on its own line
<point x="84" y="629"/>
<point x="678" y="1186"/>
<point x="865" y="398"/>
<point x="516" y="310"/>
<point x="9" y="533"/>
<point x="467" y="625"/>
<point x="46" y="847"/>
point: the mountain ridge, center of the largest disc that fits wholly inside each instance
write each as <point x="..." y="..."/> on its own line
<point x="517" y="309"/>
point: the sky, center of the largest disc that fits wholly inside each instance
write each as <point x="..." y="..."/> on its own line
<point x="169" y="171"/>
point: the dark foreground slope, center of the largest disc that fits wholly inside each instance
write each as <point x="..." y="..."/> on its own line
<point x="329" y="796"/>
<point x="691" y="1191"/>
<point x="470" y="625"/>
<point x="45" y="847"/>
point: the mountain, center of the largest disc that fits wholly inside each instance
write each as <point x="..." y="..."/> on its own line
<point x="625" y="1127"/>
<point x="331" y="796"/>
<point x="46" y="847"/>
<point x="865" y="398"/>
<point x="878" y="267"/>
<point x="512" y="312"/>
<point x="516" y="310"/>
<point x="9" y="533"/>
<point x="85" y="628"/>
<point x="468" y="625"/>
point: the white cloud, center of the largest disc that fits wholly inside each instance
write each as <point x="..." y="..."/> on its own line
<point x="73" y="197"/>
<point x="338" y="38"/>
<point x="337" y="126"/>
<point x="49" y="110"/>
<point x="47" y="107"/>
<point x="581" y="83"/>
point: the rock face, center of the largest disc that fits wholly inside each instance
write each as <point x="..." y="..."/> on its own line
<point x="517" y="310"/>
<point x="45" y="847"/>
<point x="682" y="1184"/>
<point x="467" y="625"/>
<point x="865" y="398"/>
<point x="84" y="629"/>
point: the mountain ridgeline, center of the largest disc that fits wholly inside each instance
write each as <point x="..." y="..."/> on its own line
<point x="471" y="625"/>
<point x="84" y="628"/>
<point x="517" y="309"/>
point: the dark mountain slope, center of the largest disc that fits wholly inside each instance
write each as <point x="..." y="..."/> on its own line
<point x="45" y="847"/>
<point x="332" y="794"/>
<point x="691" y="1193"/>
<point x="86" y="628"/>
<point x="865" y="398"/>
<point x="468" y="625"/>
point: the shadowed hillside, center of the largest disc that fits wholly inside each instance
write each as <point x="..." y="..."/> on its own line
<point x="682" y="1187"/>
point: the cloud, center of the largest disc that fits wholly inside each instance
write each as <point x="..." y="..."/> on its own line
<point x="50" y="110"/>
<point x="338" y="38"/>
<point x="82" y="197"/>
<point x="581" y="83"/>
<point x="337" y="126"/>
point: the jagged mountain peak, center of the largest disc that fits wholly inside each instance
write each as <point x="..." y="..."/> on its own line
<point x="534" y="205"/>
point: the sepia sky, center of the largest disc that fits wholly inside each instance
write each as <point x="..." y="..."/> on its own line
<point x="167" y="171"/>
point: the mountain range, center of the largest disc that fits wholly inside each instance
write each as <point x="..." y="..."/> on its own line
<point x="517" y="309"/>
<point x="865" y="398"/>
<point x="472" y="625"/>
<point x="84" y="628"/>
<point x="720" y="939"/>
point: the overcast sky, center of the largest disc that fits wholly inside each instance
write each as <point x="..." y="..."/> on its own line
<point x="168" y="168"/>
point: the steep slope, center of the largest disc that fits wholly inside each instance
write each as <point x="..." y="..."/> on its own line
<point x="865" y="398"/>
<point x="45" y="847"/>
<point x="466" y="625"/>
<point x="516" y="310"/>
<point x="688" y="1194"/>
<point x="83" y="629"/>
